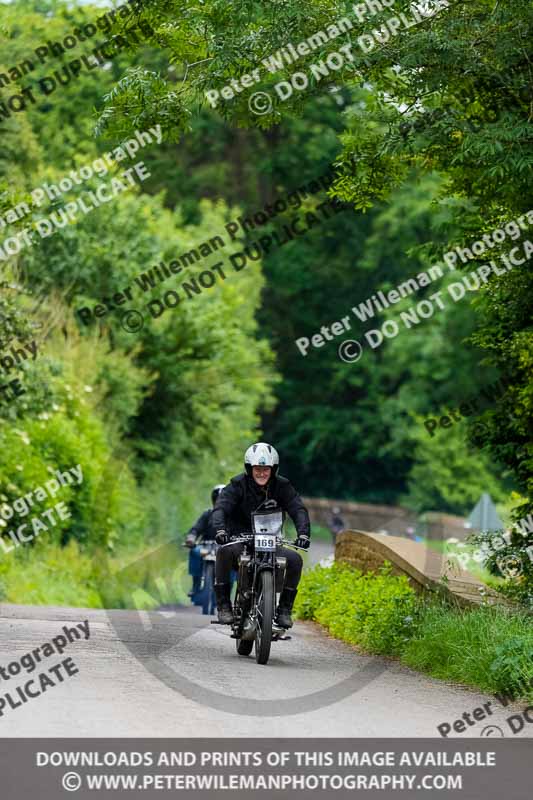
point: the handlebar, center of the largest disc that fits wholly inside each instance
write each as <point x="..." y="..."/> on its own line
<point x="236" y="541"/>
<point x="296" y="546"/>
<point x="249" y="537"/>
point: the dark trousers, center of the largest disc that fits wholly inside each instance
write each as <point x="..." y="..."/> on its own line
<point x="227" y="559"/>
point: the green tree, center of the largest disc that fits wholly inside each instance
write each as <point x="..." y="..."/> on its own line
<point x="461" y="106"/>
<point x="449" y="473"/>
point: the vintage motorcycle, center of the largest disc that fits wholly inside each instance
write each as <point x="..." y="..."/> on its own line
<point x="203" y="557"/>
<point x="260" y="578"/>
<point x="205" y="597"/>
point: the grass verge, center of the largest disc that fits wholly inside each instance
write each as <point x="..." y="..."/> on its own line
<point x="489" y="648"/>
<point x="50" y="575"/>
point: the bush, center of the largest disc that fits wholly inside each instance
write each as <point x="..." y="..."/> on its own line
<point x="51" y="575"/>
<point x="508" y="556"/>
<point x="489" y="648"/>
<point x="48" y="574"/>
<point x="375" y="611"/>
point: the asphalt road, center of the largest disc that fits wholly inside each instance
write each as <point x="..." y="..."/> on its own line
<point x="174" y="674"/>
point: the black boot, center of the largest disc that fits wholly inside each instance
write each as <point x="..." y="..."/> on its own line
<point x="225" y="612"/>
<point x="283" y="611"/>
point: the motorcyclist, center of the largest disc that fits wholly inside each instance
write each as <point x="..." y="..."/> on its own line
<point x="244" y="494"/>
<point x="201" y="531"/>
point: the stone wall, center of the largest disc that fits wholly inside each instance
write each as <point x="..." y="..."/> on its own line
<point x="368" y="554"/>
<point x="392" y="520"/>
<point x="423" y="566"/>
<point x="361" y="516"/>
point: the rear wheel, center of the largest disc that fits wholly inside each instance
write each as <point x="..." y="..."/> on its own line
<point x="265" y="616"/>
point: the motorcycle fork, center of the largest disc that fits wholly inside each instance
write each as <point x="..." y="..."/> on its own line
<point x="243" y="604"/>
<point x="248" y="605"/>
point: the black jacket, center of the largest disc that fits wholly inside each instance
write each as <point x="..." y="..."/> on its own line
<point x="203" y="527"/>
<point x="242" y="495"/>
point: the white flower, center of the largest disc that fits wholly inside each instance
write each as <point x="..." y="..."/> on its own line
<point x="88" y="388"/>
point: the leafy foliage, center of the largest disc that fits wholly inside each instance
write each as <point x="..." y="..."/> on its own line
<point x="487" y="647"/>
<point x="422" y="104"/>
<point x="455" y="98"/>
<point x="429" y="134"/>
<point x="138" y="412"/>
<point x="448" y="473"/>
<point x="508" y="556"/>
<point x="372" y="610"/>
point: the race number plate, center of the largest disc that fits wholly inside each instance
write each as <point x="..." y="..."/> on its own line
<point x="265" y="542"/>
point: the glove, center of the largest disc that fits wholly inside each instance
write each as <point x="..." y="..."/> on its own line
<point x="222" y="537"/>
<point x="303" y="541"/>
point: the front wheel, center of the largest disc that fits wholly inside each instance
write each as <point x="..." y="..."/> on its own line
<point x="265" y="616"/>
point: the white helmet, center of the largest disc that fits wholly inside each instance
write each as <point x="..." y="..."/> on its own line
<point x="216" y="491"/>
<point x="261" y="454"/>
